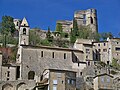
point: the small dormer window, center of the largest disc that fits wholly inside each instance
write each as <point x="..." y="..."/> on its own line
<point x="24" y="24"/>
<point x="24" y="31"/>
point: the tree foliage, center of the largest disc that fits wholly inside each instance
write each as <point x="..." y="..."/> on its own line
<point x="75" y="25"/>
<point x="7" y="25"/>
<point x="49" y="36"/>
<point x="115" y="64"/>
<point x="34" y="38"/>
<point x="105" y="35"/>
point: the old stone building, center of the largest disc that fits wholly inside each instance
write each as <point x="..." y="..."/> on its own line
<point x="66" y="25"/>
<point x="84" y="18"/>
<point x="102" y="51"/>
<point x="56" y="79"/>
<point x="108" y="50"/>
<point x="103" y="82"/>
<point x="31" y="61"/>
<point x="55" y="68"/>
<point x="87" y="18"/>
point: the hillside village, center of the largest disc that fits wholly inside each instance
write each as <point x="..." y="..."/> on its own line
<point x="69" y="58"/>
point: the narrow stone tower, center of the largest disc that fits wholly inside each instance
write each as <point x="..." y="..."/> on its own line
<point x="87" y="18"/>
<point x="24" y="33"/>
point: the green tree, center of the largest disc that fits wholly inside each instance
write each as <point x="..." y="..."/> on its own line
<point x="84" y="32"/>
<point x="74" y="32"/>
<point x="59" y="27"/>
<point x="105" y="35"/>
<point x="34" y="38"/>
<point x="45" y="42"/>
<point x="115" y="64"/>
<point x="75" y="27"/>
<point x="48" y="35"/>
<point x="7" y="25"/>
<point x="72" y="36"/>
<point x="94" y="36"/>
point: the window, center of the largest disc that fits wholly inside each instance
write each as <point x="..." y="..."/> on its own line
<point x="53" y="55"/>
<point x="104" y="44"/>
<point x="95" y="72"/>
<point x="108" y="62"/>
<point x="102" y="79"/>
<point x="7" y="79"/>
<point x="104" y="50"/>
<point x="18" y="72"/>
<point x="8" y="73"/>
<point x="88" y="63"/>
<point x="88" y="51"/>
<point x="54" y="87"/>
<point x="98" y="44"/>
<point x="17" y="24"/>
<point x="117" y="48"/>
<point x="108" y="80"/>
<point x="84" y="22"/>
<point x="81" y="73"/>
<point x="54" y="82"/>
<point x="64" y="55"/>
<point x="18" y="55"/>
<point x="41" y="53"/>
<point x="68" y="81"/>
<point x="78" y="64"/>
<point x="84" y="16"/>
<point x="91" y="19"/>
<point x="87" y="57"/>
<point x="24" y="31"/>
<point x="99" y="50"/>
<point x="73" y="82"/>
<point x="117" y="42"/>
<point x="31" y="75"/>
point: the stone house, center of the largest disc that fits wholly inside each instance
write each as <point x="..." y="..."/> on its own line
<point x="66" y="25"/>
<point x="103" y="82"/>
<point x="55" y="79"/>
<point x="102" y="51"/>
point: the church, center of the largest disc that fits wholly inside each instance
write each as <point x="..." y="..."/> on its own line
<point x="41" y="67"/>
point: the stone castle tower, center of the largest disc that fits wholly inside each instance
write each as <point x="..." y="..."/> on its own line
<point x="24" y="33"/>
<point x="84" y="18"/>
<point x="87" y="18"/>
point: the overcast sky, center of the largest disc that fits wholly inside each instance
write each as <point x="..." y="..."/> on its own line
<point x="44" y="13"/>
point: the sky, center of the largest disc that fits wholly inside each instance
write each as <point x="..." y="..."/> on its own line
<point x="44" y="13"/>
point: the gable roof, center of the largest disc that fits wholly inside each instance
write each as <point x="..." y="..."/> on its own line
<point x="24" y="22"/>
<point x="103" y="75"/>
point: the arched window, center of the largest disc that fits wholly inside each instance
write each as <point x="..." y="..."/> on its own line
<point x="91" y="20"/>
<point x="24" y="31"/>
<point x="17" y="24"/>
<point x="31" y="75"/>
<point x="7" y="87"/>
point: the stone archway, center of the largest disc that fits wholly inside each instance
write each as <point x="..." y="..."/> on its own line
<point x="22" y="86"/>
<point x="7" y="87"/>
<point x="24" y="31"/>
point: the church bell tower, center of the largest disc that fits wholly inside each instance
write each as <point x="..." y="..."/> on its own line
<point x="24" y="33"/>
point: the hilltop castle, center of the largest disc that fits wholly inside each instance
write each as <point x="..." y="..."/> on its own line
<point x="83" y="18"/>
